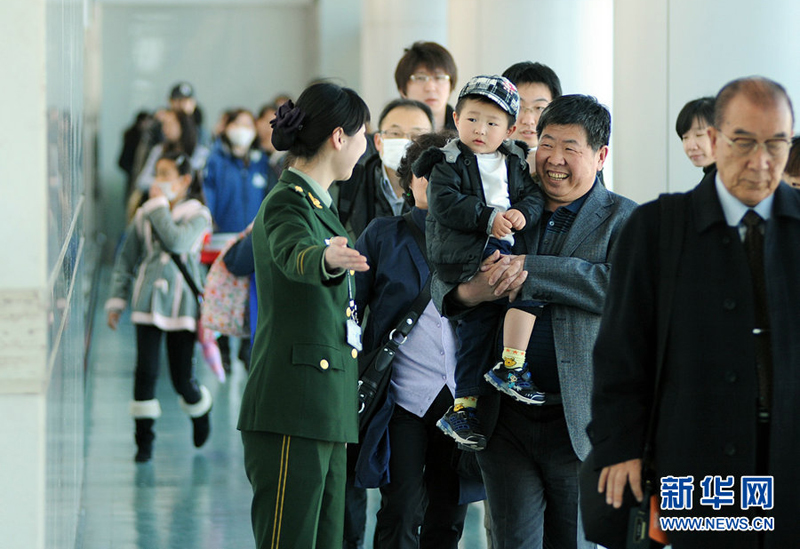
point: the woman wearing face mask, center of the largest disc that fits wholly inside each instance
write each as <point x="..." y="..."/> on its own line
<point x="374" y="189"/>
<point x="299" y="405"/>
<point x="237" y="175"/>
<point x="173" y="219"/>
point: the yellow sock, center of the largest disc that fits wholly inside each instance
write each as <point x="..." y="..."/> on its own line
<point x="465" y="402"/>
<point x="513" y="358"/>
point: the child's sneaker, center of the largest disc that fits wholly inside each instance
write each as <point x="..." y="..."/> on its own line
<point x="515" y="382"/>
<point x="464" y="427"/>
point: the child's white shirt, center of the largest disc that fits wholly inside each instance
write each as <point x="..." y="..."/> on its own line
<point x="494" y="177"/>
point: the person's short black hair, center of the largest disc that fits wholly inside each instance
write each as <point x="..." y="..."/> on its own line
<point x="793" y="163"/>
<point x="580" y="110"/>
<point x="483" y="99"/>
<point x="430" y="55"/>
<point x="701" y="109"/>
<point x="418" y="146"/>
<point x="402" y="103"/>
<point x="528" y="72"/>
<point x="757" y="89"/>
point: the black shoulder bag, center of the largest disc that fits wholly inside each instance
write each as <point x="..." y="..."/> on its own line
<point x="375" y="367"/>
<point x="628" y="526"/>
<point x="188" y="277"/>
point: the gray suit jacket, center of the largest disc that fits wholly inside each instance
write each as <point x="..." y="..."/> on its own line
<point x="574" y="284"/>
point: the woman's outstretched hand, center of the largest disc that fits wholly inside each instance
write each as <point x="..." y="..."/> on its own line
<point x="339" y="256"/>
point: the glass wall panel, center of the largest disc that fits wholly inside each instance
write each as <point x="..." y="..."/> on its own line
<point x="65" y="251"/>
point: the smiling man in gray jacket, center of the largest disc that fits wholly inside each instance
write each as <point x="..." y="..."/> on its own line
<point x="530" y="466"/>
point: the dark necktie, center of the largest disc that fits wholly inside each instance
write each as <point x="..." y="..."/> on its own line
<point x="754" y="245"/>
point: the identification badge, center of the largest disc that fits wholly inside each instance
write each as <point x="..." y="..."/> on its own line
<point x="354" y="334"/>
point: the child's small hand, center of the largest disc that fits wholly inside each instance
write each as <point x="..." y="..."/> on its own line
<point x="516" y="218"/>
<point x="501" y="226"/>
<point x="155" y="190"/>
<point x="113" y="319"/>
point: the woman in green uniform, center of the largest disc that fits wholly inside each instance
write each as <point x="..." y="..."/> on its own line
<point x="299" y="406"/>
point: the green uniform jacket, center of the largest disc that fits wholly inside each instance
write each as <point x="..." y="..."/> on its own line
<point x="303" y="374"/>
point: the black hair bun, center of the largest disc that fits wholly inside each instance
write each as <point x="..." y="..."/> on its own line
<point x="287" y="123"/>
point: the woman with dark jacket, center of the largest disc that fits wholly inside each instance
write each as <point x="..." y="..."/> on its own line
<point x="424" y="501"/>
<point x="299" y="405"/>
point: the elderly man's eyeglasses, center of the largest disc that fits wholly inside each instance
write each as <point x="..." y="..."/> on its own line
<point x="745" y="146"/>
<point x="425" y="78"/>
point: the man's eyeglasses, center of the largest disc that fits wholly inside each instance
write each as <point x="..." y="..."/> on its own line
<point x="537" y="109"/>
<point x="425" y="78"/>
<point x="397" y="134"/>
<point x="745" y="146"/>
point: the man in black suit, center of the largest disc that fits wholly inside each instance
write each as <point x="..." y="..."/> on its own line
<point x="729" y="393"/>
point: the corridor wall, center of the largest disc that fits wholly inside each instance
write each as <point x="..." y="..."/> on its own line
<point x="42" y="299"/>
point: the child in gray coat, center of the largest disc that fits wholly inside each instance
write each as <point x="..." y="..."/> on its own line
<point x="172" y="220"/>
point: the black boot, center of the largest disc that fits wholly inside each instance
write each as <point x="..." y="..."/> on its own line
<point x="200" y="413"/>
<point x="144" y="440"/>
<point x="202" y="428"/>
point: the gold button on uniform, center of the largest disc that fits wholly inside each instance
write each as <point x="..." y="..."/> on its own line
<point x="354" y="353"/>
<point x="347" y="312"/>
<point x="323" y="364"/>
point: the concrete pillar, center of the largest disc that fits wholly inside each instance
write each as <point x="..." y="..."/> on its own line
<point x="339" y="41"/>
<point x="667" y="52"/>
<point x="572" y="37"/>
<point x="388" y="27"/>
<point x="23" y="296"/>
<point x="42" y="305"/>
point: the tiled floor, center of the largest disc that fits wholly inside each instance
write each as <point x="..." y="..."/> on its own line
<point x="185" y="498"/>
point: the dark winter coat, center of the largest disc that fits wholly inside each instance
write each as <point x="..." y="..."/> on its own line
<point x="458" y="215"/>
<point x="361" y="197"/>
<point x="709" y="388"/>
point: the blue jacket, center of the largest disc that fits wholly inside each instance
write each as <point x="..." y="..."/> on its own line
<point x="397" y="273"/>
<point x="234" y="191"/>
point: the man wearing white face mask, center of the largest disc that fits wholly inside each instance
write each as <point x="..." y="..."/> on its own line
<point x="374" y="188"/>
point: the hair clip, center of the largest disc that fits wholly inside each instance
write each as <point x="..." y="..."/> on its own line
<point x="289" y="118"/>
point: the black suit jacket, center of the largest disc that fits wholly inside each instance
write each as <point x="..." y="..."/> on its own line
<point x="707" y="410"/>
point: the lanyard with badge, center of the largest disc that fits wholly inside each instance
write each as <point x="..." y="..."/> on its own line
<point x="353" y="328"/>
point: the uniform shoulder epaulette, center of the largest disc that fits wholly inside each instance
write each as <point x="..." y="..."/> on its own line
<point x="314" y="201"/>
